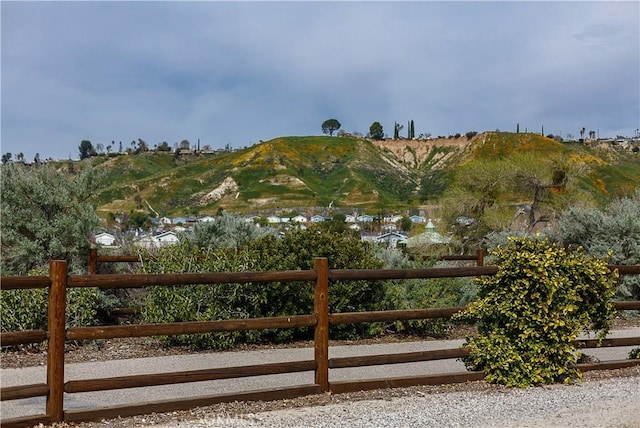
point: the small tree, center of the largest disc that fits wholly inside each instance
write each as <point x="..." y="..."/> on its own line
<point x="86" y="149"/>
<point x="396" y="130"/>
<point x="227" y="231"/>
<point x="46" y="214"/>
<point x="375" y="131"/>
<point x="614" y="230"/>
<point x="530" y="312"/>
<point x="330" y="126"/>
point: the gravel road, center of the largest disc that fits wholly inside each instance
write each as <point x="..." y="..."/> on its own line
<point x="613" y="402"/>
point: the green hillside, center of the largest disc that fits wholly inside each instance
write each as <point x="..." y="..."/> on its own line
<point x="305" y="172"/>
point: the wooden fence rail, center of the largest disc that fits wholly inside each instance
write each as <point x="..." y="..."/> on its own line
<point x="321" y="319"/>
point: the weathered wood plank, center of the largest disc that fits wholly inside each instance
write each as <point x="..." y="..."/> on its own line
<point x="154" y="379"/>
<point x="55" y="345"/>
<point x="626" y="269"/>
<point x="85" y="415"/>
<point x="403" y="382"/>
<point x="189" y="327"/>
<point x="116" y="259"/>
<point x="398" y="358"/>
<point x="26" y="421"/>
<point x="379" y="274"/>
<point x="397" y="315"/>
<point x="606" y="343"/>
<point x="147" y="280"/>
<point x="321" y="333"/>
<point x="608" y="365"/>
<point x="12" y="338"/>
<point x="627" y="305"/>
<point x="23" y="391"/>
<point x="23" y="282"/>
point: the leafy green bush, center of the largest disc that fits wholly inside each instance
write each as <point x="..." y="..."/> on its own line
<point x="295" y="250"/>
<point x="46" y="214"/>
<point x="227" y="231"/>
<point x="422" y="293"/>
<point x="27" y="309"/>
<point x="201" y="302"/>
<point x="528" y="314"/>
<point x="614" y="230"/>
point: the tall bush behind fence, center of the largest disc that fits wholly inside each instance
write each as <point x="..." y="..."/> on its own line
<point x="294" y="251"/>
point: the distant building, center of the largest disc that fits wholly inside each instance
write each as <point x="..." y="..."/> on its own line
<point x="391" y="239"/>
<point x="429" y="237"/>
<point x="105" y="239"/>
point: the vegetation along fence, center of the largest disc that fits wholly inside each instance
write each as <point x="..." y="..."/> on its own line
<point x="56" y="335"/>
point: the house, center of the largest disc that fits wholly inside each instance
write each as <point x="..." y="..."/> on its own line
<point x="273" y="219"/>
<point x="417" y="219"/>
<point x="166" y="220"/>
<point x="392" y="219"/>
<point x="355" y="227"/>
<point x="165" y="239"/>
<point x="350" y="218"/>
<point x="429" y="237"/>
<point x="365" y="218"/>
<point x="105" y="239"/>
<point x="299" y="219"/>
<point x="206" y="219"/>
<point x="180" y="220"/>
<point x="391" y="239"/>
<point x="317" y="219"/>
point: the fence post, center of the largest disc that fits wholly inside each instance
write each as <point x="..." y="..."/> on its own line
<point x="480" y="257"/>
<point x="321" y="311"/>
<point x="55" y="345"/>
<point x="93" y="261"/>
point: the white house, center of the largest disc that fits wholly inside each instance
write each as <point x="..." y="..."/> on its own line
<point x="350" y="218"/>
<point x="105" y="239"/>
<point x="165" y="239"/>
<point x="180" y="220"/>
<point x="391" y="239"/>
<point x="299" y="219"/>
<point x="392" y="219"/>
<point x="417" y="219"/>
<point x="273" y="219"/>
<point x="206" y="219"/>
<point x="166" y="220"/>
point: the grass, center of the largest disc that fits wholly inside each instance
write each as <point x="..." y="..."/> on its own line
<point x="349" y="171"/>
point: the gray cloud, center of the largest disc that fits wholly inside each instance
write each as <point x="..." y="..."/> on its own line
<point x="238" y="72"/>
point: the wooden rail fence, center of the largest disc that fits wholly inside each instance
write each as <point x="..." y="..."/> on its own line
<point x="56" y="335"/>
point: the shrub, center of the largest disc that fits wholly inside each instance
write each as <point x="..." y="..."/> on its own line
<point x="227" y="231"/>
<point x="46" y="214"/>
<point x="528" y="314"/>
<point x="296" y="250"/>
<point x="27" y="309"/>
<point x="614" y="230"/>
<point x="201" y="302"/>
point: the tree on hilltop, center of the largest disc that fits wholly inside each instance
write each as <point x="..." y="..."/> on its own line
<point x="330" y="126"/>
<point x="86" y="149"/>
<point x="375" y="131"/>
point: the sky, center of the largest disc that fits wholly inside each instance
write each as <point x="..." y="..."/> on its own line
<point x="235" y="73"/>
